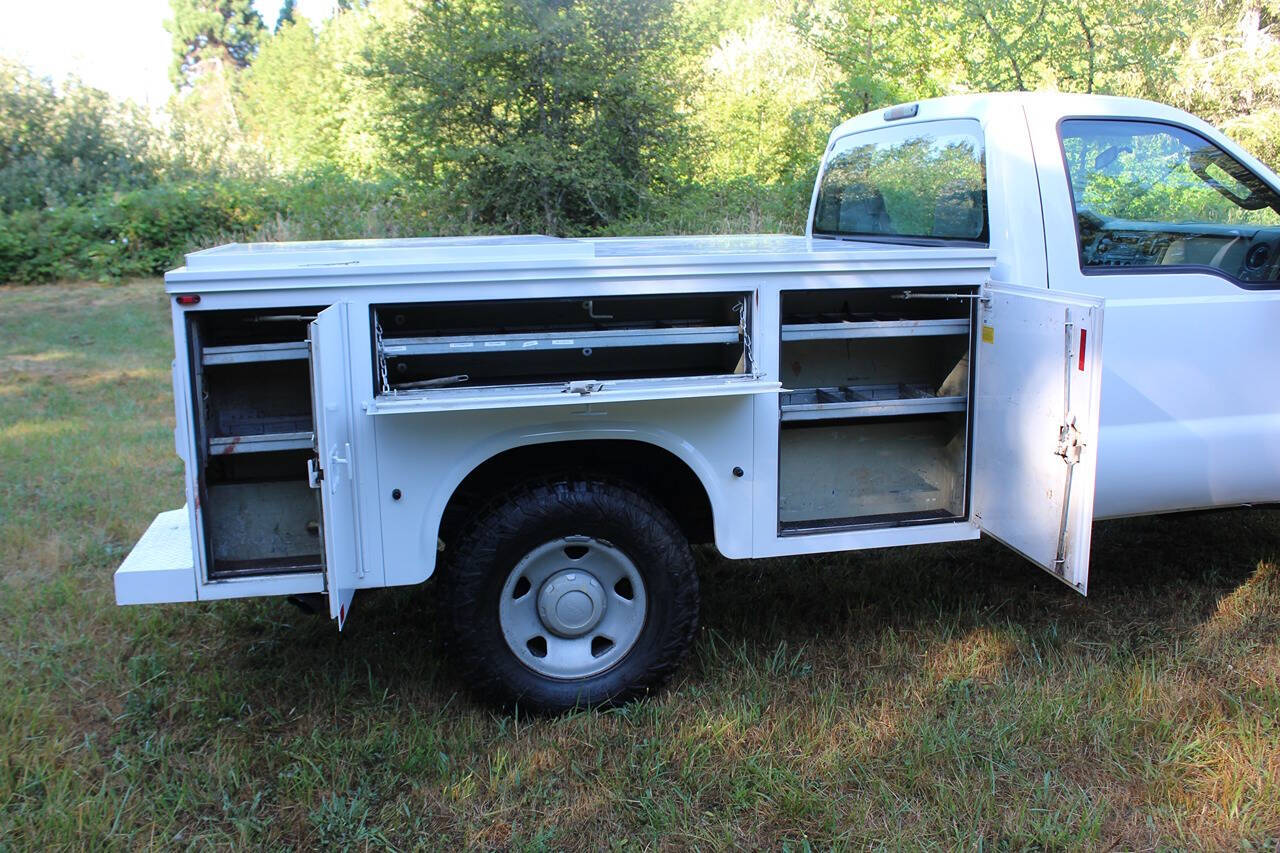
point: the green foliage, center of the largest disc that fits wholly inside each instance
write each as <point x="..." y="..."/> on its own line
<point x="764" y="106"/>
<point x="286" y="15"/>
<point x="535" y="114"/>
<point x="144" y="232"/>
<point x="62" y="146"/>
<point x="212" y="35"/>
<point x="564" y="116"/>
<point x="898" y="50"/>
<point x="1077" y="46"/>
<point x="304" y="103"/>
<point x="886" y="50"/>
<point x="1230" y="73"/>
<point x="141" y="232"/>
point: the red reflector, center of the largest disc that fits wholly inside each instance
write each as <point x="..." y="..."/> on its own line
<point x="189" y="299"/>
<point x="1082" y="335"/>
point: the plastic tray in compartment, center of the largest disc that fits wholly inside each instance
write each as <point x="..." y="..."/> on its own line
<point x="811" y="404"/>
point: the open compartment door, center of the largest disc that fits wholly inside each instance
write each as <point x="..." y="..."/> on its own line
<point x="1035" y="428"/>
<point x="332" y="472"/>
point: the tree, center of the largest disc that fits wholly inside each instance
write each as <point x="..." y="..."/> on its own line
<point x="61" y="145"/>
<point x="1079" y="45"/>
<point x="534" y="114"/>
<point x="305" y="101"/>
<point x="887" y="50"/>
<point x="899" y="50"/>
<point x="212" y="35"/>
<point x="1229" y="73"/>
<point x="287" y="10"/>
<point x="764" y="105"/>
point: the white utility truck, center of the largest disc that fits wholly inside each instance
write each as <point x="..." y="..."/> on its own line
<point x="549" y="423"/>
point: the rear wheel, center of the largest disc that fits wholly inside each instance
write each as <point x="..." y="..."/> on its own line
<point x="570" y="593"/>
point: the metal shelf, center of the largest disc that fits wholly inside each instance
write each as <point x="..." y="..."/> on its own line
<point x="249" y="353"/>
<point x="874" y="329"/>
<point x="866" y="401"/>
<point x="229" y="444"/>
<point x="536" y="341"/>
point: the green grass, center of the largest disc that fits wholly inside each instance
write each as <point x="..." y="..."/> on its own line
<point x="933" y="697"/>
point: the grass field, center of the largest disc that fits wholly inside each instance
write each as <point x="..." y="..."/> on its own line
<point x="937" y="697"/>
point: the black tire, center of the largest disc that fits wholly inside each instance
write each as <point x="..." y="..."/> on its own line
<point x="531" y="516"/>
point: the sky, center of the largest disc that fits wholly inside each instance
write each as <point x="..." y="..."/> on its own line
<point x="119" y="46"/>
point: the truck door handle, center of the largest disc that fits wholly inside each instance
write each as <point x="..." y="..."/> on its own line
<point x="335" y="460"/>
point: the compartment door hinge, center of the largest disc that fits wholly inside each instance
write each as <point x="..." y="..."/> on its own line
<point x="1070" y="445"/>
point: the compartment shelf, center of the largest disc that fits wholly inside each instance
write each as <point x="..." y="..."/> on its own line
<point x="250" y="353"/>
<point x="488" y="343"/>
<point x="826" y="329"/>
<point x="264" y="443"/>
<point x="813" y="404"/>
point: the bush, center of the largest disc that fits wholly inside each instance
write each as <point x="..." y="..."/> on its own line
<point x="736" y="206"/>
<point x="62" y="145"/>
<point x="137" y="233"/>
<point x="146" y="232"/>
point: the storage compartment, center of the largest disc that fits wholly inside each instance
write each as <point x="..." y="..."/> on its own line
<point x="552" y="342"/>
<point x="874" y="471"/>
<point x="874" y="411"/>
<point x="255" y="436"/>
<point x="874" y="376"/>
<point x="269" y="527"/>
<point x="252" y="407"/>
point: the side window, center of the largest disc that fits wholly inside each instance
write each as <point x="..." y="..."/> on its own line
<point x="1148" y="194"/>
<point x="921" y="182"/>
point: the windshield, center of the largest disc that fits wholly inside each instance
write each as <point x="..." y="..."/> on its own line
<point x="920" y="182"/>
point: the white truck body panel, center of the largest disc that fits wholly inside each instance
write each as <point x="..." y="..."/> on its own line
<point x="1163" y="426"/>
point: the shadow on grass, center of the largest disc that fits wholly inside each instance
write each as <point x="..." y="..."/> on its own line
<point x="1151" y="579"/>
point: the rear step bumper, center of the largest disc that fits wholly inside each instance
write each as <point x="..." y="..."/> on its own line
<point x="161" y="567"/>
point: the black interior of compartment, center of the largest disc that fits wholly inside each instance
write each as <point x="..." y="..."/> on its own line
<point x="575" y="314"/>
<point x="869" y="305"/>
<point x="270" y="467"/>
<point x="633" y="350"/>
<point x="259" y="326"/>
<point x="517" y="368"/>
<point x="258" y="398"/>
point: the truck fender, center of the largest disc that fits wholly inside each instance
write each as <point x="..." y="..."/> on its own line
<point x="727" y="542"/>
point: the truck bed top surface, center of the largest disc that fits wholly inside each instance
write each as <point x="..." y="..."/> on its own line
<point x="442" y="255"/>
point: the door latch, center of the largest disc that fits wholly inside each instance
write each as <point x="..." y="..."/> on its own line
<point x="315" y="474"/>
<point x="1070" y="441"/>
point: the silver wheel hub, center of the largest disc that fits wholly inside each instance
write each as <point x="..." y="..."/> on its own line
<point x="571" y="603"/>
<point x="572" y="607"/>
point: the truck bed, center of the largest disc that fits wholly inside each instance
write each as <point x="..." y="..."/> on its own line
<point x="536" y="256"/>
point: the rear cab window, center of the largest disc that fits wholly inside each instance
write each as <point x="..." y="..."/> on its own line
<point x="1153" y="197"/>
<point x="921" y="183"/>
